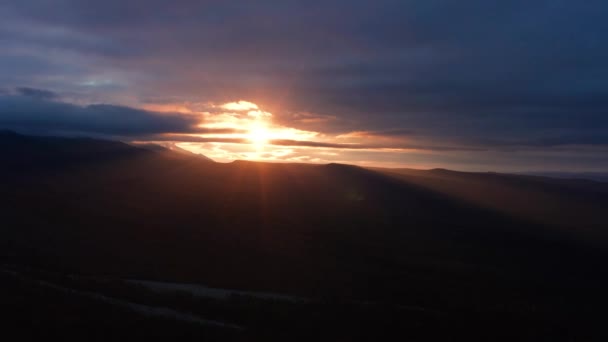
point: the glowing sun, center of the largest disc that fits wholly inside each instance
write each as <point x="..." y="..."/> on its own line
<point x="259" y="135"/>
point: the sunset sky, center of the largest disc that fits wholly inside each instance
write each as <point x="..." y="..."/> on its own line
<point x="468" y="85"/>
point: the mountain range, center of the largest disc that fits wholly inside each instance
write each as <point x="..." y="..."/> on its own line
<point x="504" y="256"/>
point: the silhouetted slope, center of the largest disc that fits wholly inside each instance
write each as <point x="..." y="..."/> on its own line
<point x="19" y="153"/>
<point x="33" y="311"/>
<point x="171" y="149"/>
<point x="569" y="203"/>
<point x="594" y="176"/>
<point x="437" y="239"/>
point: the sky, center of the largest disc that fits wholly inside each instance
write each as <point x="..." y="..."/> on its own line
<point x="467" y="85"/>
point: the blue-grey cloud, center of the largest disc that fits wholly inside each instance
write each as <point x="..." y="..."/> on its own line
<point x="34" y="112"/>
<point x="37" y="93"/>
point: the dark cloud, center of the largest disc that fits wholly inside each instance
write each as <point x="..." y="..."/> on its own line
<point x="344" y="146"/>
<point x="37" y="93"/>
<point x="38" y="114"/>
<point x="194" y="138"/>
<point x="307" y="143"/>
<point x="395" y="132"/>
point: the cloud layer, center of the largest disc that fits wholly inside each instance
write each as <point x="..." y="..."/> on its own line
<point x="34" y="112"/>
<point x="518" y="78"/>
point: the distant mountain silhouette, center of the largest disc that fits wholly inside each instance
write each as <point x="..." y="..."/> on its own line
<point x="469" y="244"/>
<point x="31" y="153"/>
<point x="574" y="203"/>
<point x="595" y="176"/>
<point x="173" y="148"/>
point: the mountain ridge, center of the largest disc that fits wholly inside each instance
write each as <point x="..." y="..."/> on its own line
<point x="468" y="245"/>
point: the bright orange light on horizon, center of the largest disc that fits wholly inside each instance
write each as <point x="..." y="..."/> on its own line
<point x="242" y="130"/>
<point x="257" y="125"/>
<point x="246" y="131"/>
<point x="259" y="135"/>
